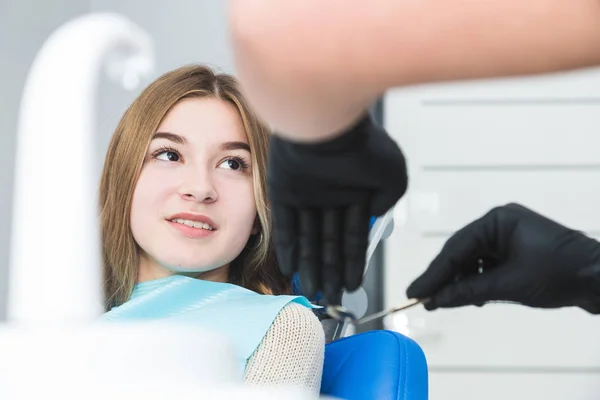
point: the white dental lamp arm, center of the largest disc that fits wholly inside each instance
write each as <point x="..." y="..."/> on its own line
<point x="55" y="229"/>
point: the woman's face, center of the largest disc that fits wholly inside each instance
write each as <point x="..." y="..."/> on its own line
<point x="193" y="208"/>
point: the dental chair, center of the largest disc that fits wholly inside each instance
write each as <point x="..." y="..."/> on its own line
<point x="378" y="364"/>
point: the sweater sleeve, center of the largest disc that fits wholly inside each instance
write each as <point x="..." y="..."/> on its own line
<point x="291" y="353"/>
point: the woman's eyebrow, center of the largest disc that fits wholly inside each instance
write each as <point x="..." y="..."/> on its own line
<point x="235" y="146"/>
<point x="170" y="136"/>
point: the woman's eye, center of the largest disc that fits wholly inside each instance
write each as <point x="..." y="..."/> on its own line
<point x="236" y="164"/>
<point x="168" y="156"/>
<point x="231" y="164"/>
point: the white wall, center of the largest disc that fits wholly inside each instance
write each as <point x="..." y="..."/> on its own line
<point x="470" y="147"/>
<point x="191" y="31"/>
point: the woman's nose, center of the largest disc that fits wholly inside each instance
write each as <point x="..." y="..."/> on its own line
<point x="198" y="187"/>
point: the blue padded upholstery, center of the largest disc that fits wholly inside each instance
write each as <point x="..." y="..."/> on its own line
<point x="375" y="365"/>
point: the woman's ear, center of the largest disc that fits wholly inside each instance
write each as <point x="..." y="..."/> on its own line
<point x="256" y="226"/>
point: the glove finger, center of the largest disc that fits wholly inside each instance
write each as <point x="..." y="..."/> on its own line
<point x="309" y="262"/>
<point x="592" y="308"/>
<point x="383" y="201"/>
<point x="356" y="241"/>
<point x="285" y="237"/>
<point x="333" y="273"/>
<point x="459" y="252"/>
<point x="471" y="290"/>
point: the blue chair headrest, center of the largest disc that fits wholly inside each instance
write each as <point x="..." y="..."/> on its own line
<point x="375" y="365"/>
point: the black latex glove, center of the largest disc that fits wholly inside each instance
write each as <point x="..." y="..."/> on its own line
<point x="531" y="260"/>
<point x="322" y="197"/>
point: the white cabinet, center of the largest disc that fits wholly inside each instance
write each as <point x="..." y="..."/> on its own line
<point x="514" y="386"/>
<point x="472" y="146"/>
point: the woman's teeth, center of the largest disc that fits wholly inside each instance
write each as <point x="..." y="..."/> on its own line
<point x="195" y="224"/>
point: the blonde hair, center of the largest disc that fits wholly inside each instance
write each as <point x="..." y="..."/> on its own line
<point x="256" y="267"/>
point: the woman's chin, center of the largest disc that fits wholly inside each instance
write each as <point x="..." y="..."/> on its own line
<point x="189" y="269"/>
<point x="193" y="268"/>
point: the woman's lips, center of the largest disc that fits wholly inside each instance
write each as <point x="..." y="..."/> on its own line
<point x="191" y="231"/>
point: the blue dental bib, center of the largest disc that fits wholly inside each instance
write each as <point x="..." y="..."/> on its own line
<point x="241" y="315"/>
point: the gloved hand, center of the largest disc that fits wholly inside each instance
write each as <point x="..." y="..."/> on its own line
<point x="322" y="196"/>
<point x="534" y="261"/>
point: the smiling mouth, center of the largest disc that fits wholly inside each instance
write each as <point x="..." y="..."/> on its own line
<point x="193" y="224"/>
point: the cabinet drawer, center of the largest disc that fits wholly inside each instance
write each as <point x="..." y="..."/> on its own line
<point x="514" y="386"/>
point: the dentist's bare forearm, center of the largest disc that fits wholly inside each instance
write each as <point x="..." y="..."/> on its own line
<point x="311" y="67"/>
<point x="302" y="104"/>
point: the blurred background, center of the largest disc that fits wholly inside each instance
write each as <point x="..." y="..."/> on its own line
<point x="470" y="146"/>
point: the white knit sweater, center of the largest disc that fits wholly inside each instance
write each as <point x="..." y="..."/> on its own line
<point x="291" y="353"/>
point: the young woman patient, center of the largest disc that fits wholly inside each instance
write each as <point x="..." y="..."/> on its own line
<point x="186" y="226"/>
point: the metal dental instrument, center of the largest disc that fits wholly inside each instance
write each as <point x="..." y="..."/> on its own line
<point x="342" y="314"/>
